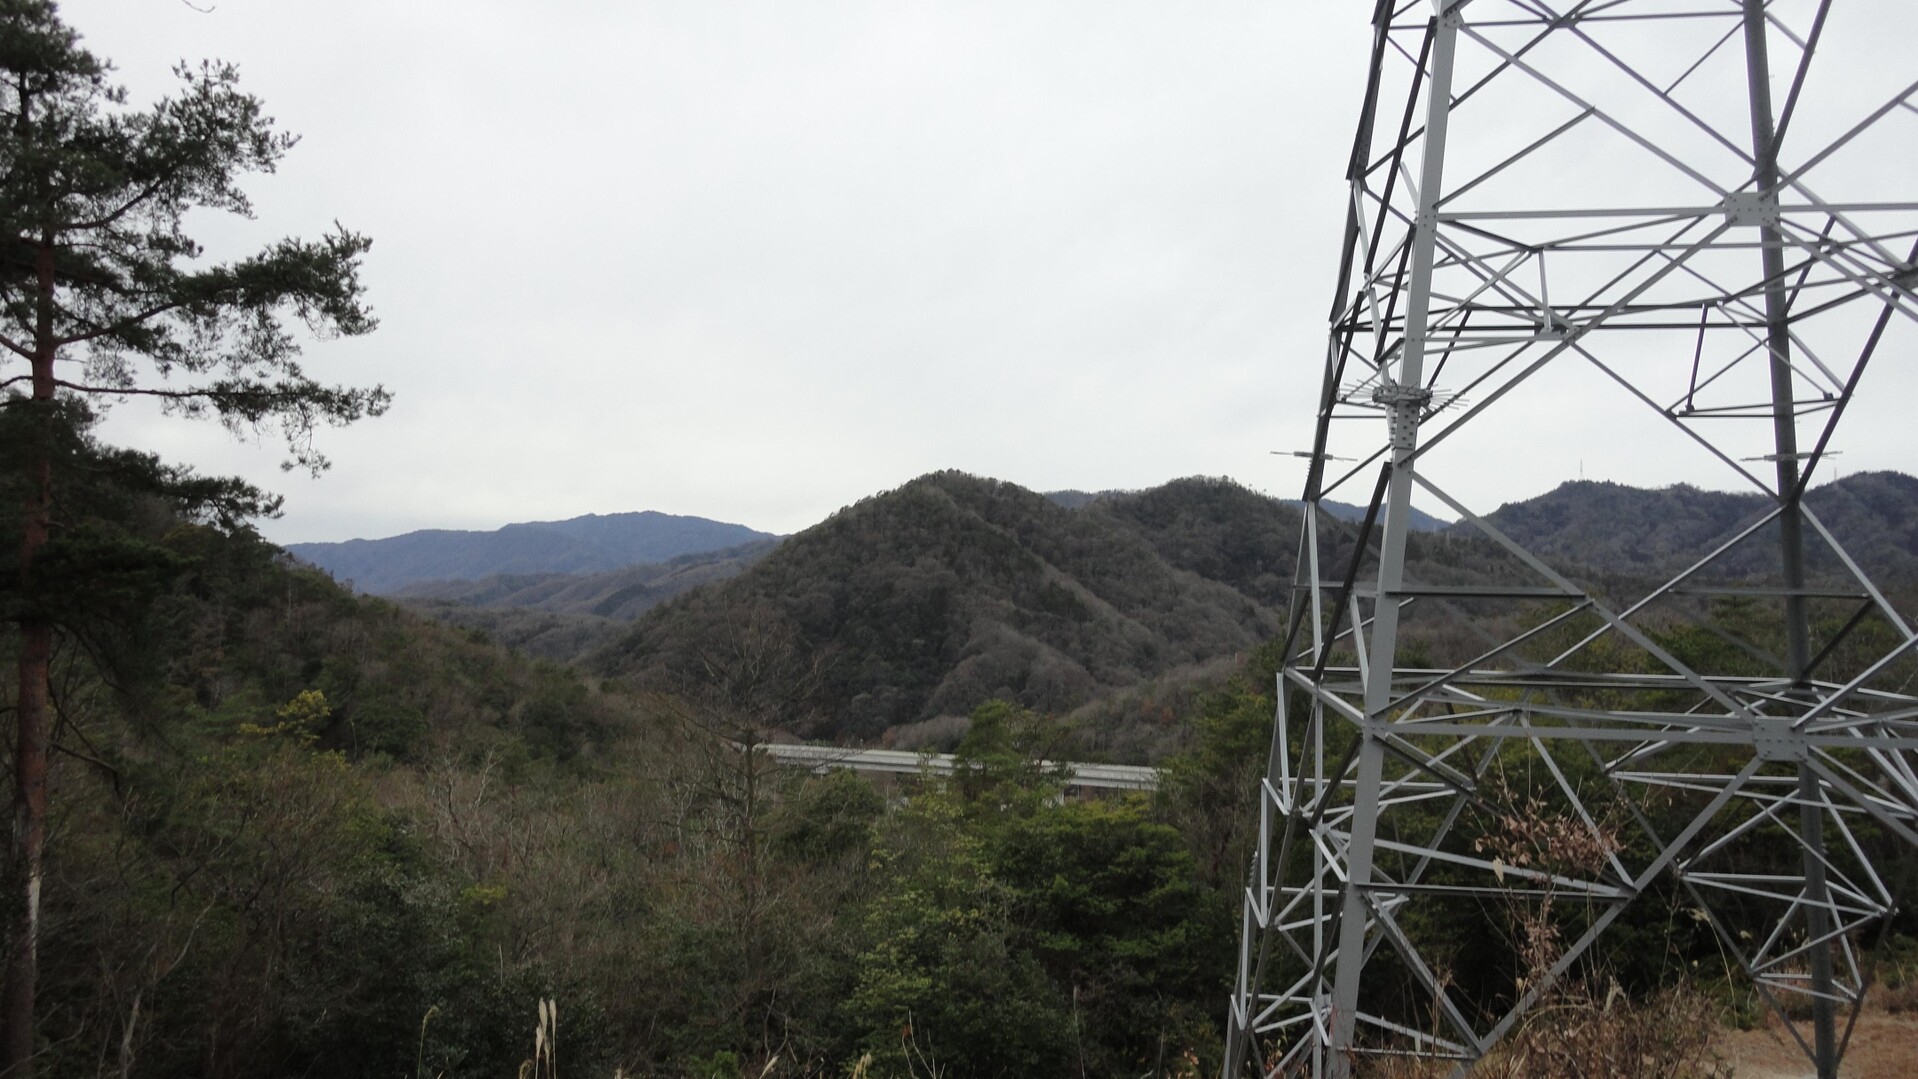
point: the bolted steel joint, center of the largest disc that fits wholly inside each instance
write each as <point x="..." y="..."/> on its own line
<point x="1751" y="208"/>
<point x="1404" y="407"/>
<point x="1775" y="739"/>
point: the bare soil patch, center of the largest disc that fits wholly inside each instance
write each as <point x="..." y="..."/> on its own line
<point x="1883" y="1046"/>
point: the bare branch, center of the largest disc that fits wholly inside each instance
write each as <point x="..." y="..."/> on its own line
<point x="125" y="208"/>
<point x="179" y="395"/>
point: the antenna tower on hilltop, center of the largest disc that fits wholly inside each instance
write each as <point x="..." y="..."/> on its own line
<point x="1558" y="207"/>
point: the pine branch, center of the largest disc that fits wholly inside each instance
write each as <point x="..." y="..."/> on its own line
<point x="121" y="326"/>
<point x="206" y="394"/>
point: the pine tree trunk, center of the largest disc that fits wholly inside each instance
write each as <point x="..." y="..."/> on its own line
<point x="32" y="718"/>
<point x="29" y="842"/>
<point x="29" y="805"/>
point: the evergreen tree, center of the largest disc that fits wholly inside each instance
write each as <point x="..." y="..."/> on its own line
<point x="102" y="294"/>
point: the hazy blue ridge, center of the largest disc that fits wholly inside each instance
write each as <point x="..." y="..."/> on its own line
<point x="595" y="543"/>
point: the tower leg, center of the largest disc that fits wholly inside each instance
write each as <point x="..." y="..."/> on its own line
<point x="1811" y="820"/>
<point x="1404" y="396"/>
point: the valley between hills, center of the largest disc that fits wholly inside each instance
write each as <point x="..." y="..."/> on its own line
<point x="921" y="603"/>
<point x="305" y="829"/>
<point x="465" y="805"/>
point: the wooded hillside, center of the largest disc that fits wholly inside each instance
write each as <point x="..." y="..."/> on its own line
<point x="1612" y="528"/>
<point x="953" y="590"/>
<point x="300" y="832"/>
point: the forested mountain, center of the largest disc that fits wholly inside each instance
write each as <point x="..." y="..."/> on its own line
<point x="1615" y="529"/>
<point x="953" y="590"/>
<point x="1217" y="530"/>
<point x="308" y="832"/>
<point x="581" y="545"/>
<point x="550" y="635"/>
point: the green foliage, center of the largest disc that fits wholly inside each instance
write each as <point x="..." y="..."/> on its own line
<point x="104" y="294"/>
<point x="1014" y="933"/>
<point x="237" y="890"/>
<point x="100" y="194"/>
<point x="1209" y="792"/>
<point x="301" y="821"/>
<point x="829" y="817"/>
<point x="1218" y="530"/>
<point x="1000" y="761"/>
<point x="107" y="558"/>
<point x="942" y="975"/>
<point x="338" y="817"/>
<point x="1108" y="901"/>
<point x="723" y="1064"/>
<point x="266" y="910"/>
<point x="558" y="636"/>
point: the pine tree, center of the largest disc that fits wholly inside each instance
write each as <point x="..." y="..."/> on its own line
<point x="104" y="295"/>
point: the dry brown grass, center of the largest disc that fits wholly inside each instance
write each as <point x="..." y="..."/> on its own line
<point x="1579" y="1028"/>
<point x="1579" y="1034"/>
<point x="1900" y="1000"/>
<point x="1897" y="991"/>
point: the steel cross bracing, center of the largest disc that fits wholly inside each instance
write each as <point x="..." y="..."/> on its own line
<point x="1672" y="199"/>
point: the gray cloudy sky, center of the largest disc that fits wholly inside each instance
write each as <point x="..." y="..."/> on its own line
<point x="756" y="260"/>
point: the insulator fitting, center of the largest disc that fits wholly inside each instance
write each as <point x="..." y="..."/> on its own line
<point x="1404" y="406"/>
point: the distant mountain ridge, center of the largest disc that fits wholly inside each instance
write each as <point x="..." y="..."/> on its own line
<point x="1638" y="532"/>
<point x="623" y="594"/>
<point x="1422" y="521"/>
<point x="562" y="616"/>
<point x="594" y="543"/>
<point x="928" y="599"/>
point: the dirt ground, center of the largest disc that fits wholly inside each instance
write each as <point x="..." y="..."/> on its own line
<point x="1884" y="1046"/>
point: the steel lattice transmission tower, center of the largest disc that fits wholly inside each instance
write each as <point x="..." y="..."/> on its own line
<point x="1557" y="206"/>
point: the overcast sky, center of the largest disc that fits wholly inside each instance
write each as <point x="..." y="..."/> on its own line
<point x="757" y="260"/>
